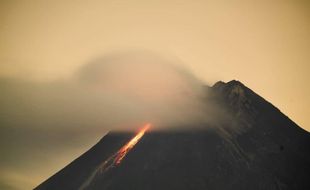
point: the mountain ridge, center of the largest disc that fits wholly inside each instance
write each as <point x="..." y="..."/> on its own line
<point x="269" y="152"/>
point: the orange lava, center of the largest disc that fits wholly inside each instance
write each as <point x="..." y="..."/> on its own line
<point x="127" y="147"/>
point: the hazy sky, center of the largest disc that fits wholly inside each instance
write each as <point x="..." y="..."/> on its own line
<point x="264" y="44"/>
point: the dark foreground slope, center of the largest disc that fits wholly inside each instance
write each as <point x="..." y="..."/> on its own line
<point x="256" y="148"/>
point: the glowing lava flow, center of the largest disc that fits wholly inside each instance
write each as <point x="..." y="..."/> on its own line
<point x="125" y="149"/>
<point x="116" y="158"/>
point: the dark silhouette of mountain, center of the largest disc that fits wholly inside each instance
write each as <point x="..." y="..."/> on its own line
<point x="256" y="147"/>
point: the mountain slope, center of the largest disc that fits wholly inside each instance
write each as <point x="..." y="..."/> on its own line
<point x="257" y="147"/>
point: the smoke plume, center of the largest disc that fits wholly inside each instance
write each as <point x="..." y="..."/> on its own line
<point x="119" y="91"/>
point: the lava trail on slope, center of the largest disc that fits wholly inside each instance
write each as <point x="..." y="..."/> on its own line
<point x="116" y="158"/>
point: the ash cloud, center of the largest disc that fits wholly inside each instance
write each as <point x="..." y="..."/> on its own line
<point x="119" y="91"/>
<point x="145" y="88"/>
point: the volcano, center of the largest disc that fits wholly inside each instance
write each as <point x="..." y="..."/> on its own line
<point x="257" y="147"/>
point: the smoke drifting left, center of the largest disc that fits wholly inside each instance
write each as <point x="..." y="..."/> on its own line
<point x="116" y="92"/>
<point x="121" y="89"/>
<point x="142" y="87"/>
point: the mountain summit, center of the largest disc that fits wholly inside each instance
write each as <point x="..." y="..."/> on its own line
<point x="257" y="147"/>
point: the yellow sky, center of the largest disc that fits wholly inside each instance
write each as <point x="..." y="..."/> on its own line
<point x="264" y="44"/>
